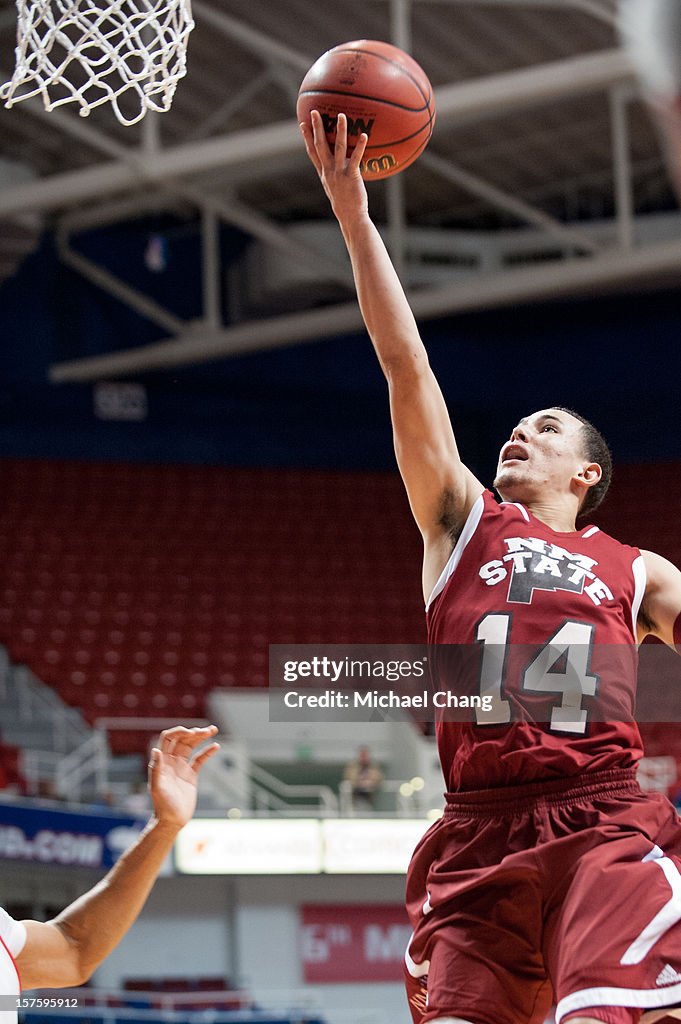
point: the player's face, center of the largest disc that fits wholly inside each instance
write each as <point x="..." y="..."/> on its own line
<point x="544" y="454"/>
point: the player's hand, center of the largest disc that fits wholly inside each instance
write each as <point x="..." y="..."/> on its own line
<point x="174" y="767"/>
<point x="339" y="173"/>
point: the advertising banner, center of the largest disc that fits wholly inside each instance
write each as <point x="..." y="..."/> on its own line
<point x="43" y="835"/>
<point x="353" y="942"/>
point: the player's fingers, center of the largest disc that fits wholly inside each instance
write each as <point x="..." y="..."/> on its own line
<point x="341" y="147"/>
<point x="201" y="758"/>
<point x="358" y="152"/>
<point x="306" y="132"/>
<point x="319" y="138"/>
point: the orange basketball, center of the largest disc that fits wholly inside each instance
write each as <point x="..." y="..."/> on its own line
<point x="383" y="92"/>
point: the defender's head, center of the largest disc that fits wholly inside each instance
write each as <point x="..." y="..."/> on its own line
<point x="552" y="454"/>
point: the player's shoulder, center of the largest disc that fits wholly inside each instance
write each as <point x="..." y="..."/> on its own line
<point x="659" y="570"/>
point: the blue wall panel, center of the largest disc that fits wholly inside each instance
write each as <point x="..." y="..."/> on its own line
<point x="616" y="360"/>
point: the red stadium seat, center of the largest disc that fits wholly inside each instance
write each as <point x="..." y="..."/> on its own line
<point x="136" y="589"/>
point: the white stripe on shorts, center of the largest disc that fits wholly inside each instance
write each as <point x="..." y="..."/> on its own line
<point x="416" y="970"/>
<point x="641" y="999"/>
<point x="666" y="918"/>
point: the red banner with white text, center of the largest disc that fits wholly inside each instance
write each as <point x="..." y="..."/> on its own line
<point x="353" y="942"/>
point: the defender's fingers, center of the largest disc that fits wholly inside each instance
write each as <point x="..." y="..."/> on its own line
<point x="155" y="758"/>
<point x="199" y="735"/>
<point x="358" y="152"/>
<point x="169" y="738"/>
<point x="306" y="132"/>
<point x="341" y="147"/>
<point x="201" y="758"/>
<point x="201" y="732"/>
<point x="179" y="740"/>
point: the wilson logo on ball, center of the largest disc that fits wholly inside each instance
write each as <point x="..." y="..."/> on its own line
<point x="356" y="125"/>
<point x="382" y="91"/>
<point x="378" y="164"/>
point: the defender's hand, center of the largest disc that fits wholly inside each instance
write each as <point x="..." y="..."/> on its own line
<point x="339" y="174"/>
<point x="173" y="772"/>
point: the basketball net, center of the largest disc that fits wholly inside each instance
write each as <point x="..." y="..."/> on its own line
<point x="130" y="53"/>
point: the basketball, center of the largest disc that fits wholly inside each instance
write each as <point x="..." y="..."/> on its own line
<point x="383" y="92"/>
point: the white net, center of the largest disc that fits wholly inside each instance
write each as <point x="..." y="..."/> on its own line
<point x="130" y="53"/>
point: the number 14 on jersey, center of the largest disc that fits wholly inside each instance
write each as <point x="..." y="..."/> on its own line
<point x="561" y="666"/>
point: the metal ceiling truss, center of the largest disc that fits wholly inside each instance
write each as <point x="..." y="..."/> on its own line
<point x="602" y="10"/>
<point x="156" y="178"/>
<point x="199" y="345"/>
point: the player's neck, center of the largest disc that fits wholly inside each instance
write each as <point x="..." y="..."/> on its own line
<point x="554" y="514"/>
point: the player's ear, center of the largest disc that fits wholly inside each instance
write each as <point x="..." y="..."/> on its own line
<point x="590" y="474"/>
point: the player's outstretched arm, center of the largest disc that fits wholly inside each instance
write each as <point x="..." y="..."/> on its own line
<point x="64" y="952"/>
<point x="661" y="605"/>
<point x="441" y="489"/>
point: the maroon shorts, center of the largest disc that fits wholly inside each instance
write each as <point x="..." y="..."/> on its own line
<point x="565" y="892"/>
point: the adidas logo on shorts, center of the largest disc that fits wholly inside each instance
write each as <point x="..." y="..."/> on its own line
<point x="667" y="976"/>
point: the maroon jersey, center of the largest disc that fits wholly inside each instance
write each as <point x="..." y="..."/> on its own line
<point x="551" y="619"/>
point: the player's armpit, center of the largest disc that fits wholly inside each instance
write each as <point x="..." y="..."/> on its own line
<point x="441" y="489"/>
<point x="661" y="606"/>
<point x="49" y="958"/>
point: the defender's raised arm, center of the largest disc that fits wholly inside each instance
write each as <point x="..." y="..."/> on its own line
<point x="441" y="489"/>
<point x="65" y="952"/>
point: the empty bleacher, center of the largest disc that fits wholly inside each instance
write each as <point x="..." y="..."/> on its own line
<point x="134" y="590"/>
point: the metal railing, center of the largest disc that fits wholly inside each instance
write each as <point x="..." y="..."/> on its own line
<point x="85" y="769"/>
<point x="404" y="805"/>
<point x="69" y="773"/>
<point x="271" y="794"/>
<point x="36" y="703"/>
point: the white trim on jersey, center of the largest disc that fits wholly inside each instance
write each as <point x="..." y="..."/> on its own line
<point x="666" y="918"/>
<point x="638" y="568"/>
<point x="12" y="940"/>
<point x="470" y="526"/>
<point x="590" y="532"/>
<point x="521" y="509"/>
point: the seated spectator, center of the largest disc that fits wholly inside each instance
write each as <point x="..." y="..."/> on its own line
<point x="366" y="778"/>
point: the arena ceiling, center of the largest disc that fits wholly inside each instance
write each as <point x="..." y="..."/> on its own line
<point x="544" y="176"/>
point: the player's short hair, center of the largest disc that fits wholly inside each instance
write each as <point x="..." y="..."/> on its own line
<point x="596" y="450"/>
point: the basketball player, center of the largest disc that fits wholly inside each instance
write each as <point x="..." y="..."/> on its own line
<point x="64" y="952"/>
<point x="551" y="876"/>
<point x="651" y="32"/>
